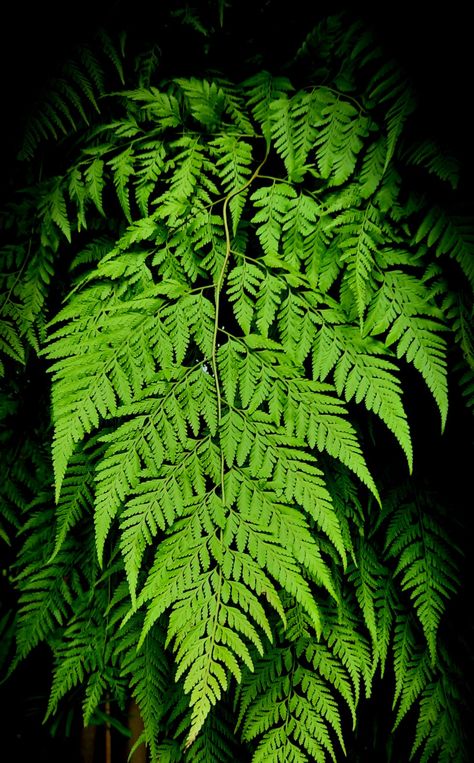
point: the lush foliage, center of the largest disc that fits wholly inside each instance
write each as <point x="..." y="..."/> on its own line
<point x="227" y="283"/>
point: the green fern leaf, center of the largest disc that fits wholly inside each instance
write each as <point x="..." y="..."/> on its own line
<point x="243" y="283"/>
<point x="419" y="342"/>
<point x="350" y="647"/>
<point x="91" y="378"/>
<point x="161" y="108"/>
<point x="273" y="203"/>
<point x="361" y="236"/>
<point x="122" y="167"/>
<point x="373" y="167"/>
<point x="76" y="497"/>
<point x="54" y="207"/>
<point x="449" y="235"/>
<point x="428" y="154"/>
<point x="150" y="165"/>
<point x="294" y="130"/>
<point x="10" y="342"/>
<point x="205" y="101"/>
<point x="299" y="230"/>
<point x="340" y="138"/>
<point x="361" y="373"/>
<point x="402" y="303"/>
<point x="292" y="714"/>
<point x="366" y="579"/>
<point x="425" y="563"/>
<point x="94" y="178"/>
<point x="46" y="585"/>
<point x="395" y="119"/>
<point x="150" y="678"/>
<point x="261" y="91"/>
<point x="234" y="157"/>
<point x="439" y="727"/>
<point x="411" y="664"/>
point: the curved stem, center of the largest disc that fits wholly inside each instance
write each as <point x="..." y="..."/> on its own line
<point x="217" y="291"/>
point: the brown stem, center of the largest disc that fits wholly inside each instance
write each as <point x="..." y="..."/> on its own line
<point x="108" y="736"/>
<point x="135" y="725"/>
<point x="88" y="735"/>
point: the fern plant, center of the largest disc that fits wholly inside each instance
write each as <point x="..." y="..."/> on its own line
<point x="224" y="292"/>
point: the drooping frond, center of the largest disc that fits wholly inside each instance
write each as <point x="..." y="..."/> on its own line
<point x="47" y="584"/>
<point x="451" y="236"/>
<point x="290" y="707"/>
<point x="439" y="729"/>
<point x="405" y="306"/>
<point x="431" y="156"/>
<point x="74" y="95"/>
<point x="411" y="663"/>
<point x="339" y="138"/>
<point x="426" y="562"/>
<point x="261" y="91"/>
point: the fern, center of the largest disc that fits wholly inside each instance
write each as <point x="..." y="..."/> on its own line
<point x="73" y="95"/>
<point x="340" y="138"/>
<point x="438" y="728"/>
<point x="426" y="565"/>
<point x="294" y="710"/>
<point x="414" y="325"/>
<point x="226" y="282"/>
<point x="451" y="236"/>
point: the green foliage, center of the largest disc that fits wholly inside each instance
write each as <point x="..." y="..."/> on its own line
<point x="227" y="285"/>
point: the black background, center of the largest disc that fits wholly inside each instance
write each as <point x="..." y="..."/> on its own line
<point x="434" y="46"/>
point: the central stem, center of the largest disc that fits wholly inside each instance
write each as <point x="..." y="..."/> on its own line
<point x="217" y="292"/>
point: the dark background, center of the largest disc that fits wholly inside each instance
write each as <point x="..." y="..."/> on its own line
<point x="435" y="47"/>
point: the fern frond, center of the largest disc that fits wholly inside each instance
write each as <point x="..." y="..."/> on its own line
<point x="439" y="728"/>
<point x="429" y="155"/>
<point x="361" y="372"/>
<point x="373" y="167"/>
<point x="291" y="715"/>
<point x="228" y="331"/>
<point x="89" y="379"/>
<point x="449" y="235"/>
<point x="122" y="166"/>
<point x="243" y="283"/>
<point x="53" y="207"/>
<point x="11" y="344"/>
<point x="46" y="585"/>
<point x="235" y="106"/>
<point x="402" y="303"/>
<point x="320" y="419"/>
<point x="216" y="742"/>
<point x="150" y="678"/>
<point x="71" y="96"/>
<point x="205" y="101"/>
<point x="412" y="666"/>
<point x="340" y="137"/>
<point x="351" y="648"/>
<point x="397" y="114"/>
<point x="233" y="158"/>
<point x="361" y="236"/>
<point x="191" y="180"/>
<point x="261" y="91"/>
<point x="294" y="131"/>
<point x="300" y="230"/>
<point x="150" y="165"/>
<point x="365" y="577"/>
<point x="76" y="496"/>
<point x="94" y="181"/>
<point x="273" y="203"/>
<point x="425" y="563"/>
